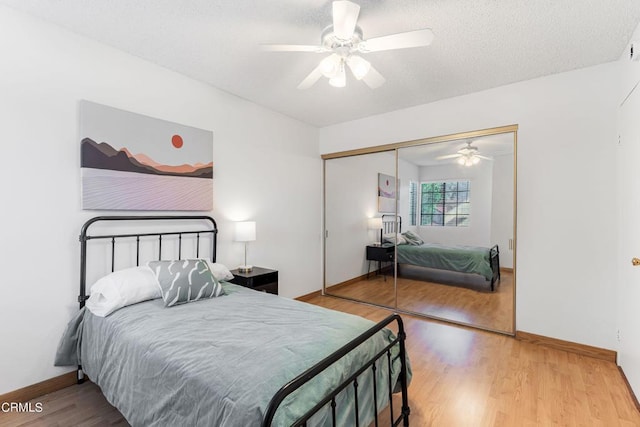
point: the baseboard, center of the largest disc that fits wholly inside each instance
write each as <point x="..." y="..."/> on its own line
<point x="30" y="392"/>
<point x="506" y="269"/>
<point x="572" y="347"/>
<point x="308" y="297"/>
<point x="633" y="395"/>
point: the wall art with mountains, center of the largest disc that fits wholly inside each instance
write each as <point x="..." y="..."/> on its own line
<point x="135" y="162"/>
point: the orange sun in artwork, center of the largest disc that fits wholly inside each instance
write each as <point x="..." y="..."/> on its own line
<point x="177" y="141"/>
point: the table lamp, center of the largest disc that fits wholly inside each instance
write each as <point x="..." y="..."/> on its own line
<point x="376" y="224"/>
<point x="245" y="232"/>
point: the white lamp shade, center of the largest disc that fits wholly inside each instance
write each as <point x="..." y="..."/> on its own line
<point x="375" y="223"/>
<point x="330" y="66"/>
<point x="340" y="78"/>
<point x="245" y="231"/>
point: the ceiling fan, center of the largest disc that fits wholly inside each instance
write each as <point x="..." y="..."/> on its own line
<point x="467" y="155"/>
<point x="345" y="43"/>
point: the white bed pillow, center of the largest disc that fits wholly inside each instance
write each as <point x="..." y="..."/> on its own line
<point x="395" y="239"/>
<point x="220" y="271"/>
<point x="122" y="288"/>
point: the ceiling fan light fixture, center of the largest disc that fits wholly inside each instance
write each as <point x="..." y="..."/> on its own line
<point x="468" y="160"/>
<point x="359" y="66"/>
<point x="344" y="39"/>
<point x="330" y="66"/>
<point x="340" y="79"/>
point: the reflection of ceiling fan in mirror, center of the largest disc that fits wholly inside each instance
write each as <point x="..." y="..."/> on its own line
<point x="467" y="155"/>
<point x="345" y="43"/>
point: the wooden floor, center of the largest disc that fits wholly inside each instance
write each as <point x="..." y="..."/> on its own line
<point x="77" y="406"/>
<point x="454" y="297"/>
<point x="461" y="377"/>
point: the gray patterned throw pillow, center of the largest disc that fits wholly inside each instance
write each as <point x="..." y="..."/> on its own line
<point x="184" y="281"/>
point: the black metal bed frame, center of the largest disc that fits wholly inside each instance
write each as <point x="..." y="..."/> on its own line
<point x="390" y="226"/>
<point x="303" y="378"/>
<point x="85" y="237"/>
<point x="494" y="259"/>
<point x="306" y="376"/>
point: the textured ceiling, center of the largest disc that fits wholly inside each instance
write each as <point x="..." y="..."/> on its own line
<point x="479" y="44"/>
<point x="427" y="155"/>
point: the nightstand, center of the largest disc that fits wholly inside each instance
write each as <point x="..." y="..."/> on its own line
<point x="259" y="279"/>
<point x="381" y="253"/>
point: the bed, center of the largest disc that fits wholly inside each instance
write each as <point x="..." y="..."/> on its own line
<point x="461" y="259"/>
<point x="243" y="358"/>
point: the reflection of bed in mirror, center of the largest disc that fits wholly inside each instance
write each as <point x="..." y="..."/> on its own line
<point x="473" y="260"/>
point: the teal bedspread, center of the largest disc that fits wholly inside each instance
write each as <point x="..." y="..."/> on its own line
<point x="218" y="362"/>
<point x="463" y="259"/>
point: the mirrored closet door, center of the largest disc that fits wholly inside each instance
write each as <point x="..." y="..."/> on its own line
<point x="357" y="265"/>
<point x="461" y="207"/>
<point x="449" y="250"/>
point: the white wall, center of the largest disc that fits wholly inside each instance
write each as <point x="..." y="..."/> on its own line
<point x="266" y="168"/>
<point x="479" y="230"/>
<point x="566" y="280"/>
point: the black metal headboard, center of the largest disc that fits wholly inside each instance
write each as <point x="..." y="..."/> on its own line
<point x="85" y="236"/>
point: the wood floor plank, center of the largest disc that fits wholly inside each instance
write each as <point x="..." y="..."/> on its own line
<point x="461" y="377"/>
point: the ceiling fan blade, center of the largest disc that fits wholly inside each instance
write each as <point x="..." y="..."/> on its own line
<point x="448" y="156"/>
<point x="291" y="48"/>
<point x="399" y="41"/>
<point x="311" y="79"/>
<point x="358" y="66"/>
<point x="373" y="78"/>
<point x="345" y="16"/>
<point x="482" y="157"/>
